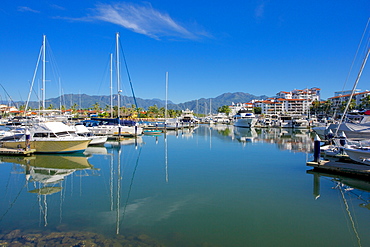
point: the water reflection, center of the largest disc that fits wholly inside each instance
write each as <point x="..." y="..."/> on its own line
<point x="245" y="134"/>
<point x="351" y="191"/>
<point x="355" y="187"/>
<point x="184" y="187"/>
<point x="44" y="174"/>
<point x="297" y="140"/>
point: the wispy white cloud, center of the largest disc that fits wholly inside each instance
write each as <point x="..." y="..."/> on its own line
<point x="27" y="9"/>
<point x="143" y="19"/>
<point x="260" y="10"/>
<point x="54" y="6"/>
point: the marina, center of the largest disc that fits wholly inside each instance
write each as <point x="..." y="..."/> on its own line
<point x="154" y="124"/>
<point x="211" y="185"/>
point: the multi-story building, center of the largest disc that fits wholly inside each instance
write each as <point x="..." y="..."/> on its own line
<point x="293" y="102"/>
<point x="339" y="98"/>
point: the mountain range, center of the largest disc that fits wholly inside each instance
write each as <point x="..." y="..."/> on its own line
<point x="198" y="106"/>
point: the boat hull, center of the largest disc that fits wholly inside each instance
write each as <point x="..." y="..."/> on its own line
<point x="98" y="140"/>
<point x="116" y="130"/>
<point x="51" y="146"/>
<point x="359" y="155"/>
<point x="245" y="122"/>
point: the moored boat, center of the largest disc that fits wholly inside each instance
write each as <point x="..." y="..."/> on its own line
<point x="359" y="154"/>
<point x="81" y="130"/>
<point x="245" y="119"/>
<point x="49" y="137"/>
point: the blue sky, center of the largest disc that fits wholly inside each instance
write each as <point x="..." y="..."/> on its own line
<point x="208" y="47"/>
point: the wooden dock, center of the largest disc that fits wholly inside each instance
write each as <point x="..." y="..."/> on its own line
<point x="19" y="151"/>
<point x="341" y="167"/>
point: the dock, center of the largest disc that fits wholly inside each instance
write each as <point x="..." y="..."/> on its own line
<point x="341" y="167"/>
<point x="18" y="152"/>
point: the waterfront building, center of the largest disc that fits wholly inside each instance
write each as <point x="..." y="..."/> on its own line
<point x="7" y="109"/>
<point x="338" y="99"/>
<point x="295" y="102"/>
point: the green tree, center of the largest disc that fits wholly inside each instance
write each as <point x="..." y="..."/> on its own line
<point x="74" y="108"/>
<point x="50" y="107"/>
<point x="351" y="106"/>
<point x="224" y="109"/>
<point x="153" y="111"/>
<point x="327" y="107"/>
<point x="257" y="110"/>
<point x="96" y="107"/>
<point x="22" y="107"/>
<point x="365" y="102"/>
<point x="316" y="107"/>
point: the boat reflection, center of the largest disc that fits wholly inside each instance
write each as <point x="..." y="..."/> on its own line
<point x="124" y="141"/>
<point x="245" y="134"/>
<point x="45" y="174"/>
<point x="91" y="150"/>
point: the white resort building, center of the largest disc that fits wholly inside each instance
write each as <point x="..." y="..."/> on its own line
<point x="343" y="96"/>
<point x="292" y="103"/>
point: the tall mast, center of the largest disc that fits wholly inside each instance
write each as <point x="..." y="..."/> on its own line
<point x="118" y="75"/>
<point x="111" y="85"/>
<point x="43" y="70"/>
<point x="165" y="112"/>
<point x="353" y="89"/>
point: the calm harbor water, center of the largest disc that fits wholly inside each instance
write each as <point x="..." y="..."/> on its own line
<point x="209" y="186"/>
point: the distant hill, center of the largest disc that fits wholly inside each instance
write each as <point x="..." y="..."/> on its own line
<point x="198" y="106"/>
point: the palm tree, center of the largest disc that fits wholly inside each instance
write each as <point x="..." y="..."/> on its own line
<point x="74" y="108"/>
<point x="96" y="107"/>
<point x="365" y="102"/>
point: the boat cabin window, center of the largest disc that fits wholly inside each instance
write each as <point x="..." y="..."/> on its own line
<point x="40" y="135"/>
<point x="63" y="133"/>
<point x="52" y="135"/>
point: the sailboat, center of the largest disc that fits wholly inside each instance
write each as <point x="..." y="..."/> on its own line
<point x="48" y="137"/>
<point x="359" y="153"/>
<point x="115" y="126"/>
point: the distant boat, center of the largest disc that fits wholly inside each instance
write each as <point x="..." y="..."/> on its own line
<point x="152" y="132"/>
<point x="187" y="118"/>
<point x="113" y="127"/>
<point x="83" y="131"/>
<point x="245" y="119"/>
